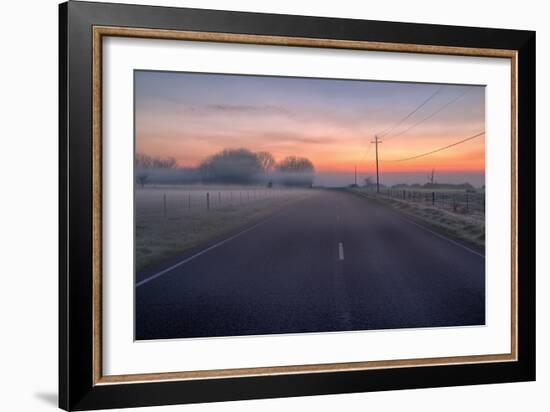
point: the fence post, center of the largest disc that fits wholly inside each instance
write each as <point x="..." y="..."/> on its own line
<point x="164" y="205"/>
<point x="207" y="200"/>
<point x="433" y="199"/>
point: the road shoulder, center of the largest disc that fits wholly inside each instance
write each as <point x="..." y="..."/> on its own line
<point x="465" y="232"/>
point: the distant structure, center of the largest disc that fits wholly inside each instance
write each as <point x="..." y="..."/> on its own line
<point x="376" y="142"/>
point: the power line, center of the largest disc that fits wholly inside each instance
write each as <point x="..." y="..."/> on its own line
<point x="388" y="130"/>
<point x="437" y="150"/>
<point x="430" y="115"/>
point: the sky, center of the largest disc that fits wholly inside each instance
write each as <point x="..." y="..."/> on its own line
<point x="191" y="116"/>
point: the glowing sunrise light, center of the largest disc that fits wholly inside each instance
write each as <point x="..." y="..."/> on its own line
<point x="191" y="116"/>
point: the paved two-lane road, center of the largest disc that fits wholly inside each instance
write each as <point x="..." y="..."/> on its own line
<point x="332" y="262"/>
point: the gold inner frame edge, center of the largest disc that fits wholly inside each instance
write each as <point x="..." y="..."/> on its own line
<point x="99" y="32"/>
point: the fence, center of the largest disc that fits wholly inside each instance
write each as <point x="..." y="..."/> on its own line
<point x="170" y="202"/>
<point x="454" y="201"/>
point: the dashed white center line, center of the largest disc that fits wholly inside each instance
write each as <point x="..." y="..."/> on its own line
<point x="341" y="251"/>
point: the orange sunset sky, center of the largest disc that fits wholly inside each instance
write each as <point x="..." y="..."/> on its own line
<point x="190" y="116"/>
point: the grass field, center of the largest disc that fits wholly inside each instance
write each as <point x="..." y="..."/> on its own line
<point x="170" y="219"/>
<point x="467" y="227"/>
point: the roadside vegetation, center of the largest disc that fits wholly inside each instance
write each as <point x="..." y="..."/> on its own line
<point x="178" y="208"/>
<point x="171" y="219"/>
<point x="469" y="228"/>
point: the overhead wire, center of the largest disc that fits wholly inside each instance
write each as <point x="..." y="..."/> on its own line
<point x="391" y="128"/>
<point x="437" y="150"/>
<point x="429" y="116"/>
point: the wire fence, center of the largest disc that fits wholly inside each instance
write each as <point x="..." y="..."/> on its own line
<point x="455" y="201"/>
<point x="173" y="202"/>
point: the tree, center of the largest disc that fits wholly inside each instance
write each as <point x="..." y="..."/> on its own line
<point x="295" y="164"/>
<point x="146" y="167"/>
<point x="231" y="166"/>
<point x="267" y="161"/>
<point x="142" y="179"/>
<point x="144" y="161"/>
<point x="296" y="171"/>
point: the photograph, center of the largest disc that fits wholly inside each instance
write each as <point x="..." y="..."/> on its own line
<point x="268" y="205"/>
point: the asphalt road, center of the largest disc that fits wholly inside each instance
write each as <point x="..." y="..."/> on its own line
<point x="333" y="262"/>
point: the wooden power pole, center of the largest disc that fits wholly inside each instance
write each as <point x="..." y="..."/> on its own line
<point x="376" y="141"/>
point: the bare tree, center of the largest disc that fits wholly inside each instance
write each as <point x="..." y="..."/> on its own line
<point x="149" y="168"/>
<point x="267" y="161"/>
<point x="142" y="179"/>
<point x="296" y="171"/>
<point x="231" y="166"/>
<point x="296" y="165"/>
<point x="144" y="161"/>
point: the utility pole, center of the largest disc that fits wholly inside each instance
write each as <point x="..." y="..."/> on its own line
<point x="376" y="141"/>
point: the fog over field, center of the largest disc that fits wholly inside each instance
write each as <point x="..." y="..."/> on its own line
<point x="340" y="179"/>
<point x="321" y="178"/>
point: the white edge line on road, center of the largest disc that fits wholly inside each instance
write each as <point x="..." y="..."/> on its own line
<point x="202" y="252"/>
<point x="444" y="237"/>
<point x="341" y="251"/>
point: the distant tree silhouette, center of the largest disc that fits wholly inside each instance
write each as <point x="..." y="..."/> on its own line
<point x="296" y="171"/>
<point x="142" y="178"/>
<point x="146" y="165"/>
<point x="266" y="161"/>
<point x="144" y="161"/>
<point x="295" y="164"/>
<point x="231" y="166"/>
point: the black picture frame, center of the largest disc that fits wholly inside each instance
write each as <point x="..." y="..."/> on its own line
<point x="77" y="390"/>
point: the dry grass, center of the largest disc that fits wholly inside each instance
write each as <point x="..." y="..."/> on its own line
<point x="160" y="237"/>
<point x="468" y="228"/>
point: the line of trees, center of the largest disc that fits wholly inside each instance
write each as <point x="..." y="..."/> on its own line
<point x="296" y="171"/>
<point x="232" y="166"/>
<point x="243" y="166"/>
<point x="144" y="161"/>
<point x="229" y="166"/>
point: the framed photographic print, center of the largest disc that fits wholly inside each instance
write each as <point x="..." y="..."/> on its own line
<point x="257" y="205"/>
